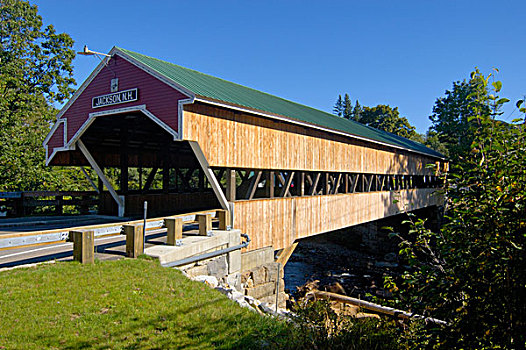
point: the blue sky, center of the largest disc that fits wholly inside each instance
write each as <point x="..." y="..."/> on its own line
<point x="401" y="53"/>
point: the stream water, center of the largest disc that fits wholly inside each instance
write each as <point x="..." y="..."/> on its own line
<point x="359" y="271"/>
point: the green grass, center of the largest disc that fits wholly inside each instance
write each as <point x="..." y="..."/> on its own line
<point x="124" y="304"/>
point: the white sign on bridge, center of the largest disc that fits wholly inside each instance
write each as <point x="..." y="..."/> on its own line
<point x="115" y="98"/>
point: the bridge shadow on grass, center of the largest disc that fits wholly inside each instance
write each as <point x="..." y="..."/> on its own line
<point x="202" y="325"/>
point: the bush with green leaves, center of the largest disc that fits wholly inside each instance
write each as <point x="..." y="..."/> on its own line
<point x="318" y="326"/>
<point x="472" y="273"/>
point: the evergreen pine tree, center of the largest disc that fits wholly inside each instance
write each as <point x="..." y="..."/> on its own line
<point x="338" y="106"/>
<point x="357" y="112"/>
<point x="347" y="107"/>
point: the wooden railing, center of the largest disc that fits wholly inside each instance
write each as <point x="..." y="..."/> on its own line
<point x="14" y="204"/>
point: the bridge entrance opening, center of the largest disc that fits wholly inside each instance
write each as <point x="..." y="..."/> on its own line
<point x="136" y="160"/>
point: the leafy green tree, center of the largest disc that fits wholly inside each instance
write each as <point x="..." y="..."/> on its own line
<point x="347" y="107"/>
<point x="388" y="119"/>
<point x="471" y="272"/>
<point x="452" y="115"/>
<point x="338" y="106"/>
<point x="35" y="72"/>
<point x="431" y="140"/>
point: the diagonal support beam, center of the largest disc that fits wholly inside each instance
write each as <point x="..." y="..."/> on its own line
<point x="354" y="184"/>
<point x="312" y="189"/>
<point x="337" y="184"/>
<point x="286" y="187"/>
<point x="89" y="179"/>
<point x="119" y="200"/>
<point x="369" y="182"/>
<point x="281" y="178"/>
<point x="253" y="185"/>
<point x="209" y="175"/>
<point x="149" y="179"/>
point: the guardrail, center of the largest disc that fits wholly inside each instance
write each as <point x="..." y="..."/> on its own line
<point x="15" y="204"/>
<point x="24" y="239"/>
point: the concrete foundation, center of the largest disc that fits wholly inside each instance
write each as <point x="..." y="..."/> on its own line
<point x="262" y="283"/>
<point x="259" y="277"/>
<point x="255" y="258"/>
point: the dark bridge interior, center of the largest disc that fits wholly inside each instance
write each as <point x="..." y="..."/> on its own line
<point x="148" y="164"/>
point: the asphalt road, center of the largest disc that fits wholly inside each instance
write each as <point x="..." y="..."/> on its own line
<point x="111" y="247"/>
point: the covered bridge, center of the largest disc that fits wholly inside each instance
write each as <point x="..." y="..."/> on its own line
<point x="184" y="140"/>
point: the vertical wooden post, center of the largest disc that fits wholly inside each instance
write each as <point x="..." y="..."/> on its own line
<point x="140" y="174"/>
<point x="166" y="177"/>
<point x="166" y="164"/>
<point x="83" y="246"/>
<point x="270" y="184"/>
<point x="18" y="205"/>
<point x="100" y="186"/>
<point x="23" y="209"/>
<point x="59" y="209"/>
<point x="174" y="227"/>
<point x="201" y="180"/>
<point x="124" y="159"/>
<point x="84" y="207"/>
<point x="302" y="183"/>
<point x="326" y="184"/>
<point x="230" y="185"/>
<point x="205" y="224"/>
<point x="224" y="219"/>
<point x="134" y="240"/>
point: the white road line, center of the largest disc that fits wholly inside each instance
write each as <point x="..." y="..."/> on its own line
<point x="71" y="244"/>
<point x="53" y="247"/>
<point x="35" y="250"/>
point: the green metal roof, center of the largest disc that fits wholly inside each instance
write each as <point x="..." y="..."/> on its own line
<point x="208" y="87"/>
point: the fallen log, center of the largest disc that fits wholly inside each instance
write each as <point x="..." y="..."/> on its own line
<point x="370" y="306"/>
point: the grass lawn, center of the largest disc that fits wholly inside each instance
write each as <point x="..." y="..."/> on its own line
<point x="124" y="304"/>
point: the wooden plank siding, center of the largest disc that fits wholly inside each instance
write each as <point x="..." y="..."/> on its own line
<point x="160" y="99"/>
<point x="278" y="222"/>
<point x="239" y="140"/>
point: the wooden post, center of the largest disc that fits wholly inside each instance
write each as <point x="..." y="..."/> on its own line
<point x="23" y="209"/>
<point x="83" y="246"/>
<point x="166" y="176"/>
<point x="174" y="227"/>
<point x="230" y="185"/>
<point x="134" y="240"/>
<point x="205" y="224"/>
<point x="166" y="164"/>
<point x="270" y="184"/>
<point x="201" y="180"/>
<point x="285" y="254"/>
<point x="224" y="219"/>
<point x="59" y="209"/>
<point x="300" y="183"/>
<point x="124" y="159"/>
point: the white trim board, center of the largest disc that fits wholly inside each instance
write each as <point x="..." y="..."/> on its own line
<point x="71" y="145"/>
<point x="138" y="108"/>
<point x="54" y="128"/>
